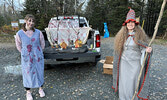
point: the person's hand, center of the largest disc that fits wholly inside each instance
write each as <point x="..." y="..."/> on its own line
<point x="148" y="49"/>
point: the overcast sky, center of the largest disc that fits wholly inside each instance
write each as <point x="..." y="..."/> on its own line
<point x="19" y="6"/>
<point x="17" y="3"/>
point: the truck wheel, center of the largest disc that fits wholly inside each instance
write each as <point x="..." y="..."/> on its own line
<point x="47" y="66"/>
<point x="92" y="63"/>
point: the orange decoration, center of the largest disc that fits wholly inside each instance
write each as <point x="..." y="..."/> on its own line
<point x="63" y="45"/>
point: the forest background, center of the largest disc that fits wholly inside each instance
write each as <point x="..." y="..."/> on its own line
<point x="113" y="12"/>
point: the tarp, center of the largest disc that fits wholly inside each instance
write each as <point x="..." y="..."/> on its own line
<point x="106" y="34"/>
<point x="66" y="30"/>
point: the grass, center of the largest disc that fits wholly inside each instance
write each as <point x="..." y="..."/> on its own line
<point x="160" y="41"/>
<point x="7" y="38"/>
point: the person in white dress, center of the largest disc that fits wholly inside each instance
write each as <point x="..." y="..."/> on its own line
<point x="30" y="43"/>
<point x="129" y="46"/>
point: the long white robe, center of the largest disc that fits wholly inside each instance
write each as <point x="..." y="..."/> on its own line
<point x="130" y="65"/>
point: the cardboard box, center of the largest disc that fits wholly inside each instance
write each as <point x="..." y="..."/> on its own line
<point x="109" y="60"/>
<point x="108" y="65"/>
<point x="107" y="68"/>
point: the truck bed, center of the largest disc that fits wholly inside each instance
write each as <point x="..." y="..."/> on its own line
<point x="53" y="56"/>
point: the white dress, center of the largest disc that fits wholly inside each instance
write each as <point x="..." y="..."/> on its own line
<point x="130" y="65"/>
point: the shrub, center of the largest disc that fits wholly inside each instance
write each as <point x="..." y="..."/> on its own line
<point x="8" y="29"/>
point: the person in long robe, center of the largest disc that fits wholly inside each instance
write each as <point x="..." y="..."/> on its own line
<point x="130" y="46"/>
<point x="30" y="43"/>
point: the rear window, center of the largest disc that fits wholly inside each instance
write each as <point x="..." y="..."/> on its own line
<point x="82" y="23"/>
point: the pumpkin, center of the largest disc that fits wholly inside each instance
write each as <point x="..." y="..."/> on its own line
<point x="78" y="43"/>
<point x="63" y="45"/>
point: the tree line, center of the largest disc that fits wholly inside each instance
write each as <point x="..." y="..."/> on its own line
<point x="113" y="12"/>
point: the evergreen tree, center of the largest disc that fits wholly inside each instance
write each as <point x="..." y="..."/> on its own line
<point x="117" y="15"/>
<point x="112" y="12"/>
<point x="96" y="14"/>
<point x="44" y="10"/>
<point x="152" y="12"/>
<point x="163" y="25"/>
<point x="2" y="21"/>
<point x="98" y="11"/>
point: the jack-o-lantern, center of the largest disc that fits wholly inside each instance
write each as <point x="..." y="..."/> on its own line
<point x="78" y="43"/>
<point x="63" y="45"/>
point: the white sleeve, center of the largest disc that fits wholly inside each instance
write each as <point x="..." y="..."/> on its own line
<point x="142" y="55"/>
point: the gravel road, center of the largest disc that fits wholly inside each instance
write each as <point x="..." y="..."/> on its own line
<point x="76" y="81"/>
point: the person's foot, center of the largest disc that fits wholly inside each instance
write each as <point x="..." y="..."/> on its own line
<point x="29" y="96"/>
<point x="41" y="93"/>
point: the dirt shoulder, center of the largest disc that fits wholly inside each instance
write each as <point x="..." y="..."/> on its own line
<point x="160" y="42"/>
<point x="7" y="45"/>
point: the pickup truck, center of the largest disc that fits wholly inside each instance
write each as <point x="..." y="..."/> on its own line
<point x="62" y="37"/>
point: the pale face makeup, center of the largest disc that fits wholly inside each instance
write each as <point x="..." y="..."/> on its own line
<point x="30" y="24"/>
<point x="130" y="26"/>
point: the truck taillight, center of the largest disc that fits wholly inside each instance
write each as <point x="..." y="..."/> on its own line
<point x="97" y="40"/>
<point x="68" y="17"/>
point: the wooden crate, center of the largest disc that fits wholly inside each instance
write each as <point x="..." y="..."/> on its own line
<point x="107" y="68"/>
<point x="109" y="60"/>
<point x="108" y="65"/>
